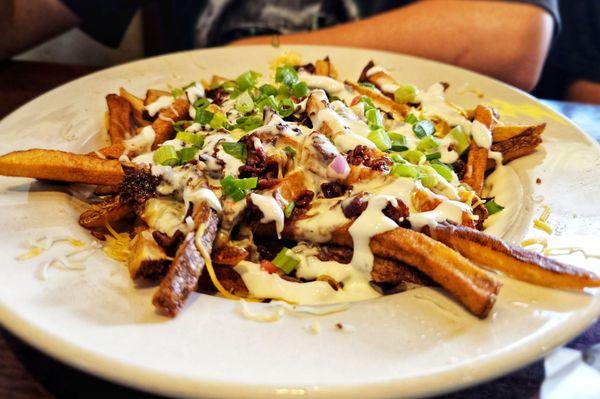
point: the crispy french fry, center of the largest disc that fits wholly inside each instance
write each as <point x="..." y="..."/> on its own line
<point x="119" y="122"/>
<point x="517" y="147"/>
<point x="383" y="102"/>
<point x="163" y="129"/>
<point x="502" y="133"/>
<point x="147" y="259"/>
<point x="137" y="104"/>
<point x="163" y="125"/>
<point x="512" y="260"/>
<point x="477" y="160"/>
<point x="109" y="211"/>
<point x="184" y="272"/>
<point x="381" y="79"/>
<point x="325" y="67"/>
<point x="61" y="166"/>
<point x="106" y="190"/>
<point x="152" y="95"/>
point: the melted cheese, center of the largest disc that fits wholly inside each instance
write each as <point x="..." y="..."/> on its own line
<point x="370" y="223"/>
<point x="270" y="209"/>
<point x="161" y="103"/>
<point x="142" y="142"/>
<point x="164" y="215"/>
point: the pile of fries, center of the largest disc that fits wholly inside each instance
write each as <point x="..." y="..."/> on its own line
<point x="307" y="189"/>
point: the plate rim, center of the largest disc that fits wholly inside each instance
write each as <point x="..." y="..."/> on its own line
<point x="153" y="381"/>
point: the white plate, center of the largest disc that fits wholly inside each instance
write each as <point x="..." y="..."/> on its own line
<point x="415" y="343"/>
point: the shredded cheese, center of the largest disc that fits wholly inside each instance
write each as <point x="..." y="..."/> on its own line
<point x="535" y="241"/>
<point x="211" y="271"/>
<point x="569" y="251"/>
<point x="117" y="245"/>
<point x="541" y="222"/>
<point x="273" y="316"/>
<point x="42" y="244"/>
<point x="290" y="58"/>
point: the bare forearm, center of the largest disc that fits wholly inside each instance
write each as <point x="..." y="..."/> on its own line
<point x="488" y="37"/>
<point x="26" y="23"/>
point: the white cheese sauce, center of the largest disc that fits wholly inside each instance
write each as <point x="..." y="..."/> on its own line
<point x="164" y="215"/>
<point x="142" y="142"/>
<point x="195" y="92"/>
<point x="370" y="223"/>
<point x="270" y="209"/>
<point x="481" y="135"/>
<point x="161" y="103"/>
<point x="433" y="103"/>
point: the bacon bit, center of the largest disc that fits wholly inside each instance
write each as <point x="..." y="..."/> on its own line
<point x="538" y="180"/>
<point x="334" y="189"/>
<point x="355" y="101"/>
<point x="98" y="235"/>
<point x="268" y="266"/>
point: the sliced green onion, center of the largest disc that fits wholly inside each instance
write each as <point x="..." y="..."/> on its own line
<point x="237" y="150"/>
<point x="247" y="80"/>
<point x="380" y="138"/>
<point x="433" y="156"/>
<point x="166" y="156"/>
<point x="203" y="116"/>
<point x="177" y="92"/>
<point x="413" y="156"/>
<point x="406" y="94"/>
<point x="244" y="103"/>
<point x="367" y="101"/>
<point x="404" y="170"/>
<point x="286" y="260"/>
<point x="462" y="139"/>
<point x="428" y="176"/>
<point x="248" y="123"/>
<point x="336" y="98"/>
<point x="268" y="90"/>
<point x="423" y="128"/>
<point x="428" y="143"/>
<point x="398" y="158"/>
<point x="398" y="141"/>
<point x="368" y="84"/>
<point x="374" y="118"/>
<point x="195" y="139"/>
<point x="411" y="118"/>
<point x="300" y="89"/>
<point x="179" y="126"/>
<point x="443" y="170"/>
<point x="286" y="107"/>
<point x="201" y="103"/>
<point x="289" y="208"/>
<point x="493" y="207"/>
<point x="187" y="154"/>
<point x="218" y="121"/>
<point x="289" y="151"/>
<point x="229" y="86"/>
<point x="268" y="101"/>
<point x="238" y="189"/>
<point x="286" y="75"/>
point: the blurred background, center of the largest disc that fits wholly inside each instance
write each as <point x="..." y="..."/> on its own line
<point x="548" y="47"/>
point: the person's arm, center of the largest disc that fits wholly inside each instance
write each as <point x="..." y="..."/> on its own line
<point x="506" y="40"/>
<point x="26" y="23"/>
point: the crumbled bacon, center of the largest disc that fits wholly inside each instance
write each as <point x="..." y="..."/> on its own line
<point x="218" y="95"/>
<point x="362" y="155"/>
<point x="258" y="164"/>
<point x="459" y="167"/>
<point x="138" y="185"/>
<point x="355" y="206"/>
<point x="334" y="189"/>
<point x="398" y="212"/>
<point x="308" y="68"/>
<point x="168" y="243"/>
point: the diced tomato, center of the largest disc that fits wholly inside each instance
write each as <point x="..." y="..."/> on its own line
<point x="268" y="266"/>
<point x="355" y="101"/>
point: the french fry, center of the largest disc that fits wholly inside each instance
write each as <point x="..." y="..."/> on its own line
<point x="383" y="102"/>
<point x="381" y="79"/>
<point x="61" y="166"/>
<point x="163" y="129"/>
<point x="184" y="272"/>
<point x="110" y="211"/>
<point x="512" y="260"/>
<point x="477" y="159"/>
<point x="147" y="259"/>
<point x="152" y="95"/>
<point x="517" y="147"/>
<point x="503" y="133"/>
<point x="137" y="105"/>
<point x="325" y="67"/>
<point x="119" y="122"/>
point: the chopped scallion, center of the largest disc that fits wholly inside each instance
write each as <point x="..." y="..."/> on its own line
<point x="218" y="121"/>
<point x="411" y="118"/>
<point x="247" y="80"/>
<point x="404" y="170"/>
<point x="286" y="75"/>
<point x="286" y="107"/>
<point x="413" y="156"/>
<point x="428" y="143"/>
<point x="380" y="138"/>
<point x="443" y="170"/>
<point x="268" y="90"/>
<point x="238" y="189"/>
<point x="398" y="141"/>
<point x="166" y="156"/>
<point x="433" y="155"/>
<point x="423" y="128"/>
<point x="460" y="137"/>
<point x="187" y="154"/>
<point x="493" y="207"/>
<point x="203" y="116"/>
<point x="406" y="94"/>
<point x="299" y="89"/>
<point x="237" y="150"/>
<point x="374" y="118"/>
<point x="248" y="123"/>
<point x="244" y="103"/>
<point x="195" y="139"/>
<point x="286" y="260"/>
<point x="289" y="208"/>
